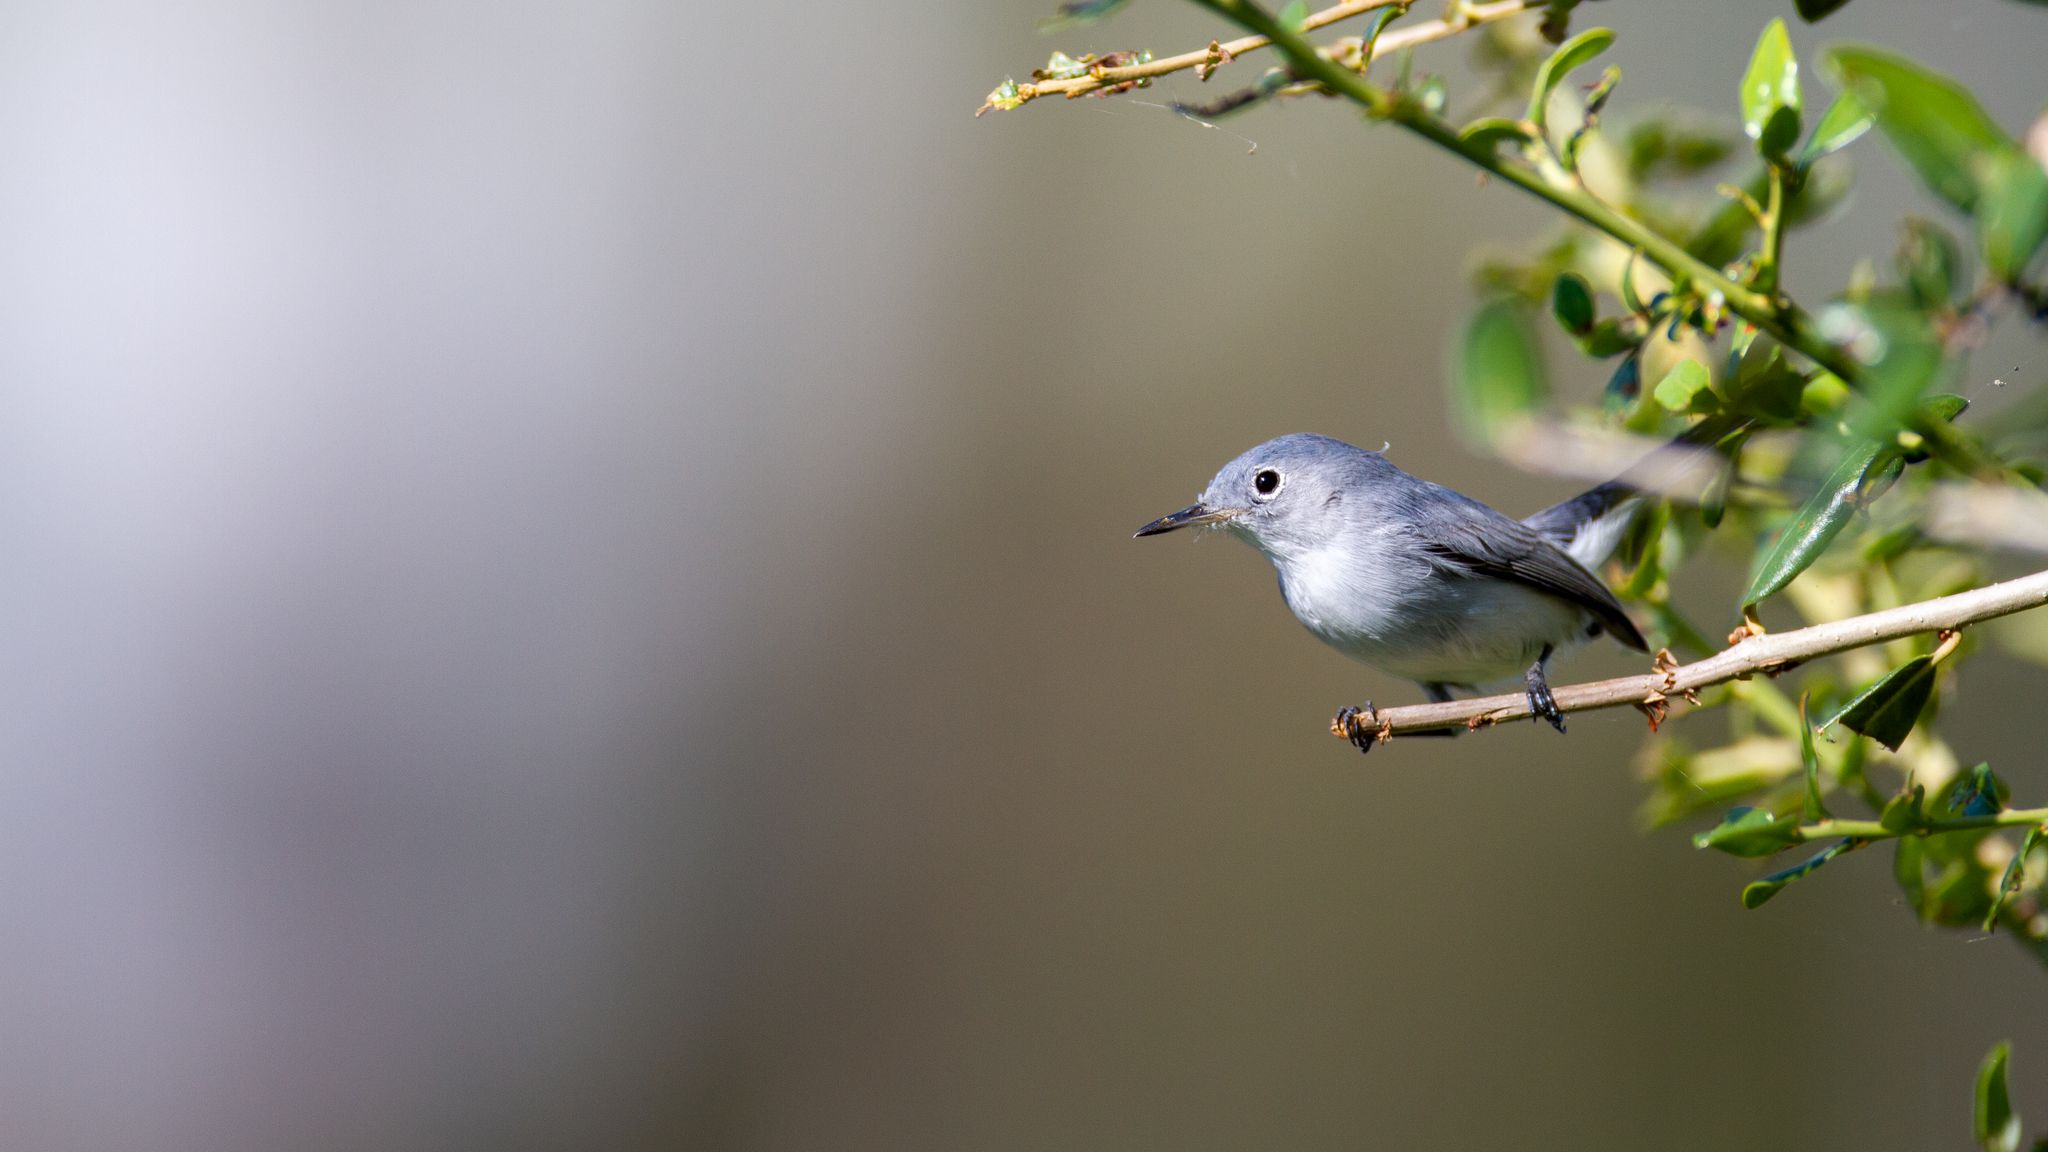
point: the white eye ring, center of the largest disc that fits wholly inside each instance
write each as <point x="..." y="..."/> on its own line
<point x="1266" y="484"/>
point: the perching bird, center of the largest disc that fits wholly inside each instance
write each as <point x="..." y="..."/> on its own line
<point x="1413" y="578"/>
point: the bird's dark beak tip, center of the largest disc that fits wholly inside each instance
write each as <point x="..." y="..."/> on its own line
<point x="1192" y="514"/>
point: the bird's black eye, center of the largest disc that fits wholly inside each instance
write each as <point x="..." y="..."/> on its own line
<point x="1266" y="482"/>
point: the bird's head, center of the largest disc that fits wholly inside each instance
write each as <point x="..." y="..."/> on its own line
<point x="1283" y="497"/>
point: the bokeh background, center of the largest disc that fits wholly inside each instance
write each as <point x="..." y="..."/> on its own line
<point x="568" y="584"/>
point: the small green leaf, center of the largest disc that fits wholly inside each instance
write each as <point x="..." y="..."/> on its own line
<point x="1755" y="895"/>
<point x="1844" y="121"/>
<point x="1780" y="133"/>
<point x="1934" y="122"/>
<point x="1749" y="832"/>
<point x="1887" y="710"/>
<point x="1995" y="1124"/>
<point x="1904" y="811"/>
<point x="2015" y="874"/>
<point x="1369" y="41"/>
<point x="1809" y="759"/>
<point x="1569" y="55"/>
<point x="1500" y="378"/>
<point x="1812" y="10"/>
<point x="1814" y="526"/>
<point x="1686" y="388"/>
<point x="2012" y="216"/>
<point x="1626" y="383"/>
<point x="1909" y="873"/>
<point x="1978" y="792"/>
<point x="1928" y="258"/>
<point x="1849" y="487"/>
<point x="1608" y="338"/>
<point x="1769" y="87"/>
<point x="1571" y="301"/>
<point x="1488" y="133"/>
<point x="1294" y="15"/>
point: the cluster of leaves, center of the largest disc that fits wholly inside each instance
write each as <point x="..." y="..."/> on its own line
<point x="1805" y="456"/>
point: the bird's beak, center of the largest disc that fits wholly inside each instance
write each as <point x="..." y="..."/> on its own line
<point x="1187" y="517"/>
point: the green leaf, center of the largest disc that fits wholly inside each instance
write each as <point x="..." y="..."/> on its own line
<point x="1780" y="133"/>
<point x="1755" y="895"/>
<point x="1904" y="811"/>
<point x="1569" y="55"/>
<point x="1571" y="301"/>
<point x="1488" y="133"/>
<point x="2012" y="215"/>
<point x="1909" y="873"/>
<point x="1500" y="378"/>
<point x="1844" y="121"/>
<point x="1994" y="1123"/>
<point x="1978" y="792"/>
<point x="1749" y="832"/>
<point x="1814" y="526"/>
<point x="1887" y="710"/>
<point x="1625" y="384"/>
<point x="1294" y="15"/>
<point x="1928" y="258"/>
<point x="1608" y="338"/>
<point x="1686" y="388"/>
<point x="1771" y="86"/>
<point x="1368" y="42"/>
<point x="1934" y="122"/>
<point x="2015" y="874"/>
<point x="1902" y="354"/>
<point x="1812" y="10"/>
<point x="1810" y="760"/>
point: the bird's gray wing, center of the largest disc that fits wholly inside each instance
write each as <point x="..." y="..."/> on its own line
<point x="1471" y="536"/>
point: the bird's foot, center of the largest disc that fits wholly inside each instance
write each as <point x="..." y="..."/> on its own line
<point x="1541" y="703"/>
<point x="1361" y="726"/>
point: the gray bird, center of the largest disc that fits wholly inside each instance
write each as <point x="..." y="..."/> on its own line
<point x="1413" y="578"/>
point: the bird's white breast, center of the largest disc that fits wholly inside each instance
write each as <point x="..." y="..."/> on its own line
<point x="1417" y="620"/>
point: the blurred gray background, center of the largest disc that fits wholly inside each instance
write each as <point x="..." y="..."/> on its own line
<point x="568" y="584"/>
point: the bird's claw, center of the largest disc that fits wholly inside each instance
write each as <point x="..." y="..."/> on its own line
<point x="1358" y="725"/>
<point x="1542" y="704"/>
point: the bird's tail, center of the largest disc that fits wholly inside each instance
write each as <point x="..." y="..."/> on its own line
<point x="1589" y="527"/>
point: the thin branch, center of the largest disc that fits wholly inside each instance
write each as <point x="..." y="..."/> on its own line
<point x="1769" y="654"/>
<point x="1873" y="830"/>
<point x="1458" y="19"/>
<point x="1771" y="312"/>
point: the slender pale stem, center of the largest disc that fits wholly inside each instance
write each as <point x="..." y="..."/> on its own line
<point x="1773" y="224"/>
<point x="1770" y="653"/>
<point x="1460" y="19"/>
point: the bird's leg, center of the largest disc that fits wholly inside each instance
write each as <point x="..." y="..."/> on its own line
<point x="1361" y="726"/>
<point x="1541" y="702"/>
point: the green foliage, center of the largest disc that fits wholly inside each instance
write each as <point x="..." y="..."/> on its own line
<point x="1750" y="832"/>
<point x="1995" y="1124"/>
<point x="1578" y="50"/>
<point x="1770" y="93"/>
<point x="1937" y="126"/>
<point x="1500" y="378"/>
<point x="1887" y="710"/>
